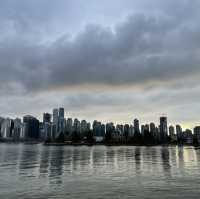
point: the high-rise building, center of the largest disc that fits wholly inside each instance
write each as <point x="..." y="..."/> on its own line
<point x="197" y="134"/>
<point x="17" y="128"/>
<point x="48" y="131"/>
<point x="97" y="129"/>
<point x="77" y="126"/>
<point x="32" y="127"/>
<point x="126" y="130"/>
<point x="61" y="113"/>
<point x="172" y="135"/>
<point x="120" y="129"/>
<point x="88" y="126"/>
<point x="142" y="130"/>
<point x="58" y="122"/>
<point x="103" y="130"/>
<point x="46" y="118"/>
<point x="1" y="121"/>
<point x="171" y="131"/>
<point x="69" y="126"/>
<point x="84" y="129"/>
<point x="55" y="116"/>
<point x="61" y="120"/>
<point x="136" y="126"/>
<point x="163" y="129"/>
<point x="179" y="133"/>
<point x="7" y="127"/>
<point x="188" y="136"/>
<point x="131" y="131"/>
<point x="153" y="130"/>
<point x="110" y="128"/>
<point x="55" y="123"/>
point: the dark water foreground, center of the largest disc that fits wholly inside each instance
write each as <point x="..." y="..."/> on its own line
<point x="37" y="171"/>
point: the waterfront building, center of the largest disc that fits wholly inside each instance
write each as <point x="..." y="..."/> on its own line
<point x="136" y="126"/>
<point x="110" y="131"/>
<point x="172" y="135"/>
<point x="89" y="126"/>
<point x="7" y="127"/>
<point x="61" y="121"/>
<point x="131" y="131"/>
<point x="55" y="122"/>
<point x="17" y="129"/>
<point x="188" y="136"/>
<point x="98" y="131"/>
<point x="48" y="131"/>
<point x="120" y="129"/>
<point x="77" y="126"/>
<point x="197" y="134"/>
<point x="1" y="121"/>
<point x="152" y="127"/>
<point x="69" y="127"/>
<point x="142" y="130"/>
<point x="179" y="133"/>
<point x="157" y="135"/>
<point x="163" y="129"/>
<point x="31" y="127"/>
<point x="46" y="118"/>
<point x="58" y="122"/>
<point x="84" y="128"/>
<point x="126" y="131"/>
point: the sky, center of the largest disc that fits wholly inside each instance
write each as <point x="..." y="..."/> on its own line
<point x="110" y="60"/>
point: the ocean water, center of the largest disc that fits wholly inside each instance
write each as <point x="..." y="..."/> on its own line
<point x="37" y="171"/>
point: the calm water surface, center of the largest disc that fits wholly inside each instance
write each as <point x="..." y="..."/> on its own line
<point x="37" y="171"/>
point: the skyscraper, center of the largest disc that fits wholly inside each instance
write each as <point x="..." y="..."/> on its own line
<point x="46" y="117"/>
<point x="69" y="126"/>
<point x="61" y="120"/>
<point x="136" y="126"/>
<point x="163" y="129"/>
<point x="32" y="127"/>
<point x="171" y="131"/>
<point x="179" y="133"/>
<point x="83" y="127"/>
<point x="61" y="113"/>
<point x="153" y="129"/>
<point x="172" y="135"/>
<point x="197" y="134"/>
<point x="77" y="126"/>
<point x="6" y="128"/>
<point x="55" y="116"/>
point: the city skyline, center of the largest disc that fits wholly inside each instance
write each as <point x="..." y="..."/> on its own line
<point x="130" y="117"/>
<point x="56" y="127"/>
<point x="103" y="60"/>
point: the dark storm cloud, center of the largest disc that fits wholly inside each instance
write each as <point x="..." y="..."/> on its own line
<point x="138" y="50"/>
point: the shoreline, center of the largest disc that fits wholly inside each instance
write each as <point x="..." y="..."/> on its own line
<point x="92" y="144"/>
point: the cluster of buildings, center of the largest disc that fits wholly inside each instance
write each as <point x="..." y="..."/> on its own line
<point x="56" y="127"/>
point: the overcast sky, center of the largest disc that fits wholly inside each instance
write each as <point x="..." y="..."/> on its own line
<point x="107" y="60"/>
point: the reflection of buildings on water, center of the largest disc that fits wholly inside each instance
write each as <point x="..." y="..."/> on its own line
<point x="56" y="165"/>
<point x="44" y="162"/>
<point x="55" y="162"/>
<point x="138" y="158"/>
<point x="29" y="159"/>
<point x="165" y="157"/>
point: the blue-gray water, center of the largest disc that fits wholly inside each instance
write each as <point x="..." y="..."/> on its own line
<point x="37" y="171"/>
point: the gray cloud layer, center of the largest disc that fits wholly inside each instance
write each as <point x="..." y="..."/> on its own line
<point x="139" y="50"/>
